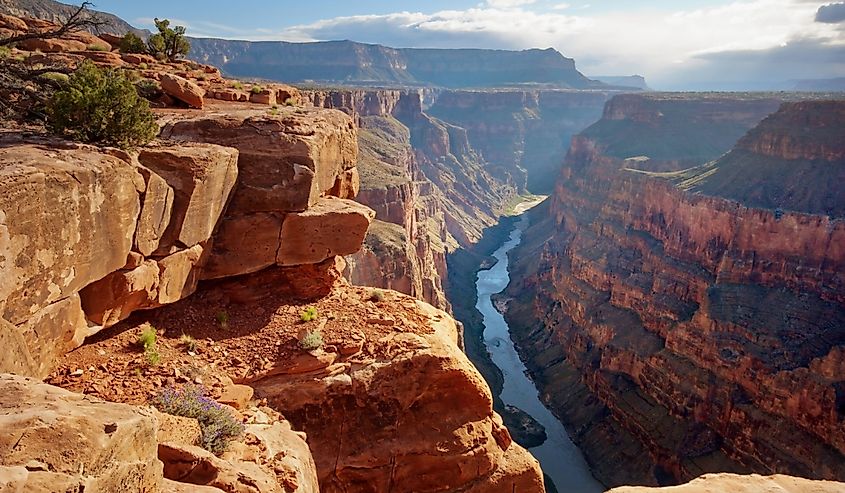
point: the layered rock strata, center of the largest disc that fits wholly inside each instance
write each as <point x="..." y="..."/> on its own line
<point x="694" y="332"/>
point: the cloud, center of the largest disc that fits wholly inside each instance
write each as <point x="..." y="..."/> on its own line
<point x="508" y="4"/>
<point x="771" y="68"/>
<point x="561" y="6"/>
<point x="831" y="13"/>
<point x="673" y="47"/>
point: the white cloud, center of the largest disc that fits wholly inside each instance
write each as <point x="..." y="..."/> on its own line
<point x="507" y="4"/>
<point x="561" y="6"/>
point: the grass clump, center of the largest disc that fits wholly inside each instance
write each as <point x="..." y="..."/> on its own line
<point x="147" y="340"/>
<point x="308" y="314"/>
<point x="311" y="340"/>
<point x="188" y="342"/>
<point x="219" y="427"/>
<point x="97" y="48"/>
<point x="256" y="90"/>
<point x="222" y="319"/>
<point x="377" y="295"/>
<point x="237" y="85"/>
<point x="101" y="107"/>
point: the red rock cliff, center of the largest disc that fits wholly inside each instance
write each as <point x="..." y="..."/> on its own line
<point x="694" y="332"/>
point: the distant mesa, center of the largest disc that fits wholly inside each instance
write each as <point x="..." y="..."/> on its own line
<point x="349" y="62"/>
<point x="631" y="81"/>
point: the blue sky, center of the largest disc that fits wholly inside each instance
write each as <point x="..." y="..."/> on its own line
<point x="674" y="44"/>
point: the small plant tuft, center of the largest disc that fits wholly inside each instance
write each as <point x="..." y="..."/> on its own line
<point x="147" y="340"/>
<point x="237" y="85"/>
<point x="101" y="107"/>
<point x="313" y="339"/>
<point x="308" y="314"/>
<point x="97" y="48"/>
<point x="377" y="295"/>
<point x="189" y="342"/>
<point x="223" y="319"/>
<point x="219" y="427"/>
<point x="256" y="90"/>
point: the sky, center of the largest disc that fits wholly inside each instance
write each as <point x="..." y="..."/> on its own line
<point x="680" y="44"/>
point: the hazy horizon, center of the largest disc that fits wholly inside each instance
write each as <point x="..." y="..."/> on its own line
<point x="683" y="45"/>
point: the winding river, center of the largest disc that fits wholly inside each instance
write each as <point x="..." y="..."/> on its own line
<point x="559" y="457"/>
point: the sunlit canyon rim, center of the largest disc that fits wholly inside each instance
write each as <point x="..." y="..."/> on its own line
<point x="346" y="270"/>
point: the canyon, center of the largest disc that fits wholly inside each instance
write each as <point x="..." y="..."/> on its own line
<point x="677" y="300"/>
<point x="693" y="324"/>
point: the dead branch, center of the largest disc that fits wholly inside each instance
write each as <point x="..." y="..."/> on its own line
<point x="80" y="20"/>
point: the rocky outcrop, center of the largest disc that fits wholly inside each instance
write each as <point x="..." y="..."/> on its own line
<point x="742" y="484"/>
<point x="695" y="333"/>
<point x="55" y="440"/>
<point x="794" y="160"/>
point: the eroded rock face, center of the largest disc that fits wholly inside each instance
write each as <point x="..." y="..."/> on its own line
<point x="435" y="431"/>
<point x="55" y="440"/>
<point x="695" y="333"/>
<point x="286" y="161"/>
<point x="201" y="177"/>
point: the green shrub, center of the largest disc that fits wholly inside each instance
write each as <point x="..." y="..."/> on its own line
<point x="147" y="340"/>
<point x="132" y="43"/>
<point x="313" y="339"/>
<point x="148" y="88"/>
<point x="308" y="314"/>
<point x="219" y="427"/>
<point x="102" y="107"/>
<point x="5" y="51"/>
<point x="169" y="43"/>
<point x="97" y="48"/>
<point x="256" y="90"/>
<point x="143" y="66"/>
<point x="237" y="85"/>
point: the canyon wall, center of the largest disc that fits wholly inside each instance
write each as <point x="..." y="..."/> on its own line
<point x="679" y="332"/>
<point x="430" y="190"/>
<point x="522" y="134"/>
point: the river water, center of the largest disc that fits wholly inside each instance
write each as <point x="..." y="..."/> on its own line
<point x="559" y="457"/>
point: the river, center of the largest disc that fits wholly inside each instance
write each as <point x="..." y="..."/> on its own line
<point x="560" y="459"/>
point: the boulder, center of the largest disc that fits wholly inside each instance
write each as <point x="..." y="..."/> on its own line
<point x="236" y="395"/>
<point x="177" y="428"/>
<point x="150" y="285"/>
<point x="55" y="440"/>
<point x="107" y="58"/>
<point x="51" y="45"/>
<point x="331" y="227"/>
<point x="265" y="96"/>
<point x="286" y="160"/>
<point x="182" y="89"/>
<point x="138" y="58"/>
<point x="113" y="40"/>
<point x="54" y="330"/>
<point x="738" y="483"/>
<point x="202" y="177"/>
<point x="12" y="23"/>
<point x="15" y="356"/>
<point x="191" y="464"/>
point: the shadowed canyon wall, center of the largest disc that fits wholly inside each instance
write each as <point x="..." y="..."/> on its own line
<point x="677" y="331"/>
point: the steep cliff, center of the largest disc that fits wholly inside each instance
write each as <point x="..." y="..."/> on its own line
<point x="430" y="190"/>
<point x="522" y="134"/>
<point x="693" y="332"/>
